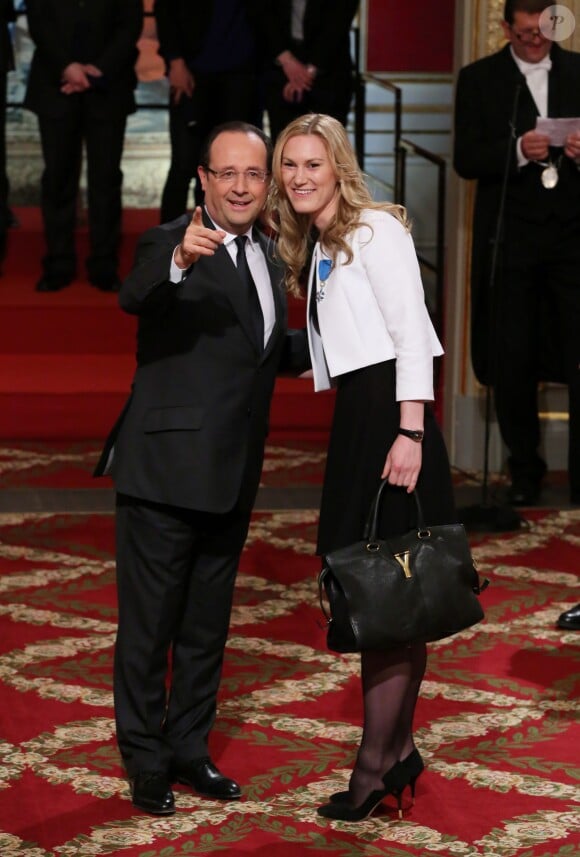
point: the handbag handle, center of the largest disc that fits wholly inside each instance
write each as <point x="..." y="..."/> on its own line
<point x="370" y="531"/>
<point x="423" y="532"/>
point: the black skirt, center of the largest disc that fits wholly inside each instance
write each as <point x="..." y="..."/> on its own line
<point x="364" y="426"/>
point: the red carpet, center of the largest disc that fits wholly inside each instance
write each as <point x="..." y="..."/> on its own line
<point x="496" y="722"/>
<point x="66" y="359"/>
<point x="55" y="465"/>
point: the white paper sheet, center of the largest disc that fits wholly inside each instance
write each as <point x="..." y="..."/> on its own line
<point x="557" y="129"/>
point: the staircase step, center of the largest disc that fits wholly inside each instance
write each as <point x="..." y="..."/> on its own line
<point x="67" y="396"/>
<point x="79" y="318"/>
<point x="67" y="357"/>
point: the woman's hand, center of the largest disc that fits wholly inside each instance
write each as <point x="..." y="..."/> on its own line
<point x="403" y="463"/>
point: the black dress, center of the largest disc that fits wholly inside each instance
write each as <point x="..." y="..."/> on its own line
<point x="365" y="424"/>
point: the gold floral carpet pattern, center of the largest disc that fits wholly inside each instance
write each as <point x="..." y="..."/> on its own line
<point x="58" y="465"/>
<point x="497" y="721"/>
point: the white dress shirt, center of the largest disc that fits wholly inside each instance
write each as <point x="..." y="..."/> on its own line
<point x="258" y="267"/>
<point x="536" y="74"/>
<point x="297" y="20"/>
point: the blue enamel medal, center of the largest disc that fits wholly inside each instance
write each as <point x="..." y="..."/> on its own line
<point x="324" y="269"/>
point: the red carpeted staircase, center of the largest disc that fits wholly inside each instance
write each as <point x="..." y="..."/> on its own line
<point x="67" y="359"/>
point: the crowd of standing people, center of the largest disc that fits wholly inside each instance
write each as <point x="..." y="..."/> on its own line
<point x="225" y="60"/>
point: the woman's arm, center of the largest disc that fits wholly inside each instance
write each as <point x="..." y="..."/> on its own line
<point x="404" y="458"/>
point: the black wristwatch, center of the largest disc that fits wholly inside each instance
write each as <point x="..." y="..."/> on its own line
<point x="414" y="434"/>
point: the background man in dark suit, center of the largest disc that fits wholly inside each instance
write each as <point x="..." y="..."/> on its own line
<point x="81" y="87"/>
<point x="211" y="56"/>
<point x="308" y="65"/>
<point x="187" y="457"/>
<point x="7" y="15"/>
<point x="537" y="295"/>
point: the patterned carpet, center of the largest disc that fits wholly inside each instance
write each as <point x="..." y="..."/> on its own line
<point x="497" y="722"/>
<point x="32" y="464"/>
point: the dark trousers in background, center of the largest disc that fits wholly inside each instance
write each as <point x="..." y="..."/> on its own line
<point x="217" y="98"/>
<point x="539" y="281"/>
<point x="330" y="93"/>
<point x="62" y="141"/>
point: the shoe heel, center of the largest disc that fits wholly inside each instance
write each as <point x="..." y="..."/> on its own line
<point x="396" y="780"/>
<point x="399" y="798"/>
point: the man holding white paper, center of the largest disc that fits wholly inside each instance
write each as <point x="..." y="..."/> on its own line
<point x="526" y="319"/>
<point x="558" y="130"/>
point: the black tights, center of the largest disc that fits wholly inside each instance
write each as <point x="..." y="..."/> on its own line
<point x="390" y="686"/>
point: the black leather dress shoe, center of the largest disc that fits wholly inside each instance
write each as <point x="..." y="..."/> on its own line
<point x="151" y="792"/>
<point x="53" y="284"/>
<point x="523" y="492"/>
<point x="204" y="778"/>
<point x="110" y="283"/>
<point x="570" y="620"/>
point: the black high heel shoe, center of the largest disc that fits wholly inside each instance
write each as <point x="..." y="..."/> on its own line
<point x="413" y="764"/>
<point x="394" y="782"/>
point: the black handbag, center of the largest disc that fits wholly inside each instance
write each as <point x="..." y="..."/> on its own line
<point x="418" y="587"/>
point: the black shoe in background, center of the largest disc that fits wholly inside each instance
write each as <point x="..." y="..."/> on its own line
<point x="524" y="492"/>
<point x="570" y="620"/>
<point x="52" y="283"/>
<point x="106" y="283"/>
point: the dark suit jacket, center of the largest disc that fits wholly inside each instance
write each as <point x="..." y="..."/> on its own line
<point x="182" y="25"/>
<point x="486" y="93"/>
<point x="7" y="15"/>
<point x="327" y="25"/>
<point x="106" y="36"/>
<point x="193" y="431"/>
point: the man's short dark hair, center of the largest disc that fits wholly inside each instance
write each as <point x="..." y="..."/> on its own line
<point x="531" y="7"/>
<point x="235" y="126"/>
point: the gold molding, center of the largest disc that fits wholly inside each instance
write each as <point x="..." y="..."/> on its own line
<point x="495" y="38"/>
<point x="409" y="109"/>
<point x="410" y="77"/>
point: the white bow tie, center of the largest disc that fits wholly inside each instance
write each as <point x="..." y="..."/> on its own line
<point x="531" y="67"/>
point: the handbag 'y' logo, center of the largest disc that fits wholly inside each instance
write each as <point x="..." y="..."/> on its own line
<point x="403" y="560"/>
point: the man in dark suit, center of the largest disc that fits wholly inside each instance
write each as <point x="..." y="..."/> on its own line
<point x="308" y="58"/>
<point x="525" y="329"/>
<point x="7" y="16"/>
<point x="81" y="87"/>
<point x="187" y="454"/>
<point x="211" y="56"/>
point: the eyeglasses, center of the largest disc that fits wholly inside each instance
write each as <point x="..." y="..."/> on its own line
<point x="526" y="37"/>
<point x="230" y="176"/>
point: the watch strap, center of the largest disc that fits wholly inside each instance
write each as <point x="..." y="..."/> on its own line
<point x="414" y="434"/>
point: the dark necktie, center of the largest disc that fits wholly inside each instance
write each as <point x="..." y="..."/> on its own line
<point x="253" y="299"/>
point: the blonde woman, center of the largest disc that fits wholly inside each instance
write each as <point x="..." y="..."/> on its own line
<point x="370" y="336"/>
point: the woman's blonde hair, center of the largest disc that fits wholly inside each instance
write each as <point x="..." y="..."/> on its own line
<point x="293" y="229"/>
